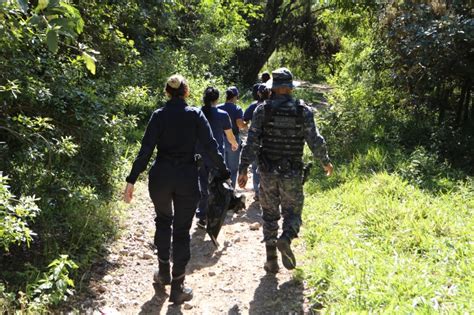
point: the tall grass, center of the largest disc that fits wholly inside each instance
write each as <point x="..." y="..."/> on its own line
<point x="379" y="240"/>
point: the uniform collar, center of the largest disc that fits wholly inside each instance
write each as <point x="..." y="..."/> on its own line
<point x="176" y="101"/>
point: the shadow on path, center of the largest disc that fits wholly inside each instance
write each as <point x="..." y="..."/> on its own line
<point x="203" y="252"/>
<point x="155" y="304"/>
<point x="271" y="298"/>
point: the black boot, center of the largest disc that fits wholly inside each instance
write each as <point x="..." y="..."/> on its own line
<point x="179" y="294"/>
<point x="162" y="275"/>
<point x="287" y="256"/>
<point x="271" y="265"/>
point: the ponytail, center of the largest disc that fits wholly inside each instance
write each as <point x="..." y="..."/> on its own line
<point x="211" y="94"/>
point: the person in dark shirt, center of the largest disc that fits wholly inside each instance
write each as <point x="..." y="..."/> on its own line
<point x="173" y="179"/>
<point x="236" y="116"/>
<point x="265" y="76"/>
<point x="221" y="126"/>
<point x="260" y="93"/>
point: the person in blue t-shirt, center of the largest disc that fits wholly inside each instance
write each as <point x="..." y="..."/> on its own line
<point x="236" y="116"/>
<point x="260" y="93"/>
<point x="220" y="125"/>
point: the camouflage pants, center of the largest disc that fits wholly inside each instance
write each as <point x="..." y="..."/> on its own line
<point x="286" y="193"/>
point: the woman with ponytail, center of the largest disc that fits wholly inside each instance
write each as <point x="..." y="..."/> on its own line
<point x="173" y="131"/>
<point x="220" y="125"/>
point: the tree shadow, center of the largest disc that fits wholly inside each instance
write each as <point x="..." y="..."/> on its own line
<point x="271" y="298"/>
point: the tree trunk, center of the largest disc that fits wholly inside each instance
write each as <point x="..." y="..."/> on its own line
<point x="466" y="106"/>
<point x="263" y="37"/>
<point x="462" y="98"/>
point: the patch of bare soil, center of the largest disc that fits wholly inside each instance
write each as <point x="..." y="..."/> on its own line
<point x="229" y="279"/>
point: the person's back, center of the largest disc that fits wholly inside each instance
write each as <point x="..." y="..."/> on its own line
<point x="180" y="122"/>
<point x="236" y="116"/>
<point x="279" y="129"/>
<point x="173" y="180"/>
<point x="219" y="121"/>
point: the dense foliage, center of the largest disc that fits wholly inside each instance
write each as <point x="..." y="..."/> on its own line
<point x="79" y="79"/>
<point x="75" y="79"/>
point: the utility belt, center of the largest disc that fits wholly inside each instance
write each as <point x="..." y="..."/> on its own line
<point x="281" y="166"/>
<point x="178" y="160"/>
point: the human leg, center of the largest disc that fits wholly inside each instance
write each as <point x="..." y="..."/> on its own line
<point x="185" y="199"/>
<point x="269" y="201"/>
<point x="232" y="159"/>
<point x="204" y="193"/>
<point x="291" y="193"/>
<point x="160" y="189"/>
<point x="292" y="199"/>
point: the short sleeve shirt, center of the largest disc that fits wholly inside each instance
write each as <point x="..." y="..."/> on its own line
<point x="235" y="112"/>
<point x="219" y="121"/>
<point x="249" y="111"/>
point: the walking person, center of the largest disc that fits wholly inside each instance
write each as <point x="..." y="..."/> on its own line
<point x="277" y="135"/>
<point x="174" y="130"/>
<point x="260" y="93"/>
<point x="236" y="116"/>
<point x="265" y="76"/>
<point x="221" y="127"/>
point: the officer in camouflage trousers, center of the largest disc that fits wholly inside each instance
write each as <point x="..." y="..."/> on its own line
<point x="276" y="140"/>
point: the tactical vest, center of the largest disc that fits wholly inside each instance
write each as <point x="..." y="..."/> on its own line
<point x="283" y="136"/>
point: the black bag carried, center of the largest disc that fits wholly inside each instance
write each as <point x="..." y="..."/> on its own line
<point x="222" y="198"/>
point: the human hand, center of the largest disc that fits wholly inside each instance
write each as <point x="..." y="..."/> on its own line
<point x="242" y="180"/>
<point x="128" y="193"/>
<point x="235" y="146"/>
<point x="328" y="169"/>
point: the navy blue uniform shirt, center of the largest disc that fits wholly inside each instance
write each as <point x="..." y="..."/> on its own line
<point x="235" y="112"/>
<point x="249" y="111"/>
<point x="174" y="130"/>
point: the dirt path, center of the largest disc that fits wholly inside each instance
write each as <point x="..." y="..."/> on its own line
<point x="227" y="280"/>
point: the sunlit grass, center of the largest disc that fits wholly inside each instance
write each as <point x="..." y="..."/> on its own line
<point x="375" y="242"/>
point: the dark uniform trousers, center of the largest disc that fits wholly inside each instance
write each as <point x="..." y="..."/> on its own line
<point x="174" y="188"/>
<point x="286" y="192"/>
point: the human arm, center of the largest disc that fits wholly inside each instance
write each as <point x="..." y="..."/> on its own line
<point x="239" y="119"/>
<point x="251" y="148"/>
<point x="231" y="138"/>
<point x="141" y="161"/>
<point x="316" y="142"/>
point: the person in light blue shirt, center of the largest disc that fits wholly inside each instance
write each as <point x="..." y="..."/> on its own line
<point x="236" y="116"/>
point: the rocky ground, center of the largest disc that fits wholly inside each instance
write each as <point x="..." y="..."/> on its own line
<point x="229" y="279"/>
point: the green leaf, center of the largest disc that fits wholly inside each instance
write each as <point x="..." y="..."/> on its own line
<point x="90" y="62"/>
<point x="52" y="40"/>
<point x="42" y="4"/>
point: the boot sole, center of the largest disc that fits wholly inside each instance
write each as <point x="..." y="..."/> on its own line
<point x="287" y="256"/>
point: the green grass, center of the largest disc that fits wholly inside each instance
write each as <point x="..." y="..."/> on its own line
<point x="377" y="243"/>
